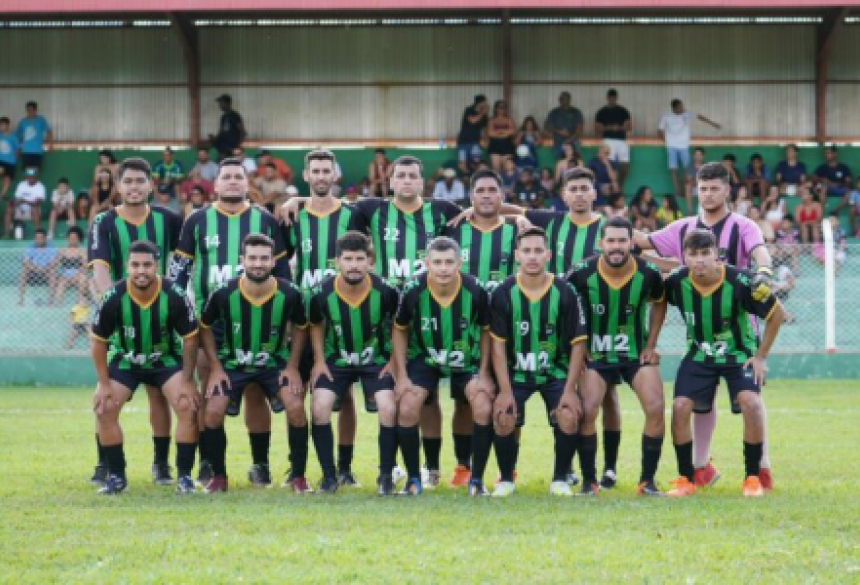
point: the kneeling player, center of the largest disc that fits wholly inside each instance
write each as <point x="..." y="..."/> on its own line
<point x="715" y="301"/>
<point x="350" y="317"/>
<point x="438" y="334"/>
<point x="538" y="327"/>
<point x="135" y="340"/>
<point x="255" y="310"/>
<point x="616" y="288"/>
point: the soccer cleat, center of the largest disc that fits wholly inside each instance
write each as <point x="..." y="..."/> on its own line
<point x="477" y="488"/>
<point x="571" y="479"/>
<point x="560" y="488"/>
<point x="397" y="474"/>
<point x="649" y="488"/>
<point x="204" y="473"/>
<point x="706" y="476"/>
<point x="161" y="474"/>
<point x="752" y="488"/>
<point x="504" y="489"/>
<point x="384" y="485"/>
<point x="413" y="487"/>
<point x="430" y="478"/>
<point x="498" y="479"/>
<point x="218" y="483"/>
<point x="461" y="477"/>
<point x="609" y="480"/>
<point x="589" y="489"/>
<point x="765" y="478"/>
<point x="299" y="485"/>
<point x="185" y="485"/>
<point x="259" y="475"/>
<point x="114" y="484"/>
<point x="681" y="487"/>
<point x="100" y="474"/>
<point x="346" y="478"/>
<point x="328" y="485"/>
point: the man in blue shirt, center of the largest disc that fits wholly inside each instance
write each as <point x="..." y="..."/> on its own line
<point x="832" y="179"/>
<point x="790" y="173"/>
<point x="38" y="266"/>
<point x="8" y="156"/>
<point x="35" y="135"/>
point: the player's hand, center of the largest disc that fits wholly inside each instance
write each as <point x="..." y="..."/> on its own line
<point x="320" y="369"/>
<point x="401" y="387"/>
<point x="103" y="399"/>
<point x="188" y="399"/>
<point x="505" y="409"/>
<point x="388" y="370"/>
<point x="219" y="384"/>
<point x="289" y="212"/>
<point x="292" y="380"/>
<point x="759" y="367"/>
<point x="522" y="223"/>
<point x="465" y="215"/>
<point x="762" y="284"/>
<point x="570" y="400"/>
<point x="649" y="357"/>
<point x="484" y="383"/>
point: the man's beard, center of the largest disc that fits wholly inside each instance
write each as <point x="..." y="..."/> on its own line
<point x="258" y="279"/>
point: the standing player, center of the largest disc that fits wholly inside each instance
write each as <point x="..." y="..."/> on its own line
<point x="254" y="310"/>
<point x="350" y="317"/>
<point x="211" y="244"/>
<point x="112" y="234"/>
<point x="616" y="288"/>
<point x="538" y="327"/>
<point x="739" y="240"/>
<point x="487" y="243"/>
<point x="715" y="301"/>
<point x="440" y="332"/>
<point x="136" y="340"/>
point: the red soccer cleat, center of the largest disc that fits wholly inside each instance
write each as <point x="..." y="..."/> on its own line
<point x="218" y="483"/>
<point x="461" y="477"/>
<point x="765" y="478"/>
<point x="706" y="476"/>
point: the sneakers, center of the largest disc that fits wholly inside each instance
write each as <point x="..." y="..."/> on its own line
<point x="589" y="489"/>
<point x="299" y="485"/>
<point x="218" y="483"/>
<point x="560" y="488"/>
<point x="185" y="485"/>
<point x="752" y="487"/>
<point x="504" y="489"/>
<point x="461" y="477"/>
<point x="477" y="488"/>
<point x="765" y="478"/>
<point x="328" y="485"/>
<point x="413" y="487"/>
<point x="649" y="488"/>
<point x="260" y="476"/>
<point x="100" y="474"/>
<point x="430" y="478"/>
<point x="706" y="476"/>
<point x="499" y="478"/>
<point x="571" y="479"/>
<point x="609" y="480"/>
<point x="397" y="474"/>
<point x="346" y="478"/>
<point x="384" y="485"/>
<point x="161" y="474"/>
<point x="204" y="473"/>
<point x="681" y="487"/>
<point x="114" y="484"/>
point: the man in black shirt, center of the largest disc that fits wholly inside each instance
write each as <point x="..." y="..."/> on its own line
<point x="471" y="127"/>
<point x="613" y="122"/>
<point x="231" y="130"/>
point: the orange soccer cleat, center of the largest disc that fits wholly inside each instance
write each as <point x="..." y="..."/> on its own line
<point x="461" y="477"/>
<point x="752" y="487"/>
<point x="681" y="488"/>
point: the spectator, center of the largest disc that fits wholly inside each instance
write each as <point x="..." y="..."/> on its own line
<point x="528" y="192"/>
<point x="786" y="238"/>
<point x="248" y="162"/>
<point x="644" y="210"/>
<point x="82" y="204"/>
<point x="28" y="197"/>
<point x="774" y="209"/>
<point x="524" y="158"/>
<point x="265" y="157"/>
<point x="378" y="172"/>
<point x="742" y="204"/>
<point x="509" y="175"/>
<point x="765" y="227"/>
<point x="62" y="205"/>
<point x="350" y="195"/>
<point x="605" y="175"/>
<point x="80" y="318"/>
<point x="104" y="196"/>
<point x="475" y="162"/>
<point x="271" y="187"/>
<point x="37" y="267"/>
<point x="839" y="245"/>
<point x="668" y="211"/>
<point x="613" y="122"/>
<point x="106" y="161"/>
<point x="198" y="198"/>
<point x="203" y="169"/>
<point x="530" y="137"/>
<point x="500" y="131"/>
<point x="472" y="127"/>
<point x="617" y="207"/>
<point x="790" y="173"/>
<point x="70" y="262"/>
<point x="570" y="159"/>
<point x="547" y="180"/>
<point x="691" y="191"/>
<point x="782" y="285"/>
<point x="167" y="174"/>
<point x="450" y="188"/>
<point x="9" y="148"/>
<point x="832" y="179"/>
<point x="854" y="201"/>
<point x="809" y="214"/>
<point x="564" y="124"/>
<point x="729" y="161"/>
<point x="231" y="129"/>
<point x="35" y="136"/>
<point x="757" y="180"/>
<point x="674" y="130"/>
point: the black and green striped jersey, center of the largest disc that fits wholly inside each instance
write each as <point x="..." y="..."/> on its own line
<point x="312" y="238"/>
<point x="211" y="240"/>
<point x="400" y="239"/>
<point x="569" y="242"/>
<point x="255" y="331"/>
<point x="356" y="334"/>
<point x="144" y="336"/>
<point x="538" y="332"/>
<point x="719" y="330"/>
<point x="447" y="337"/>
<point x="112" y="234"/>
<point x="616" y="311"/>
<point x="487" y="255"/>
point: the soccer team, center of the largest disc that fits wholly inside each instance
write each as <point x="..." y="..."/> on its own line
<point x="400" y="294"/>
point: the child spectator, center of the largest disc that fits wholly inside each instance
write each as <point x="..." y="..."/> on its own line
<point x="757" y="181"/>
<point x="742" y="203"/>
<point x="570" y="159"/>
<point x="62" y="205"/>
<point x="529" y="136"/>
<point x="839" y="245"/>
<point x="510" y="174"/>
<point x="80" y="317"/>
<point x="668" y="212"/>
<point x="104" y="194"/>
<point x="377" y="174"/>
<point x="787" y="239"/>
<point x="616" y="207"/>
<point x="197" y="199"/>
<point x="809" y="214"/>
<point x="765" y="227"/>
<point x="644" y="210"/>
<point x="774" y="209"/>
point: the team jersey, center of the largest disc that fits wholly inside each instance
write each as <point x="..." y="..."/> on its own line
<point x="718" y="321"/>
<point x="211" y="240"/>
<point x="487" y="255"/>
<point x="616" y="312"/>
<point x="446" y="337"/>
<point x="355" y="334"/>
<point x="112" y="234"/>
<point x="313" y="236"/>
<point x="255" y="332"/>
<point x="538" y="332"/>
<point x="569" y="242"/>
<point x="400" y="239"/>
<point x="144" y="336"/>
<point x="737" y="237"/>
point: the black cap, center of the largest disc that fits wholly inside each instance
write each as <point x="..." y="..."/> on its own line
<point x="224" y="98"/>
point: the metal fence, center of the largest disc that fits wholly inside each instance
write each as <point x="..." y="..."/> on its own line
<point x="47" y="312"/>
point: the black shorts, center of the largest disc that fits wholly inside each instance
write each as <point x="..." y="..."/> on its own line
<point x="615" y="374"/>
<point x="699" y="382"/>
<point x="550" y="391"/>
<point x="269" y="382"/>
<point x="428" y="377"/>
<point x="131" y="379"/>
<point x="31" y="160"/>
<point x="306" y="365"/>
<point x="344" y="378"/>
<point x="8" y="171"/>
<point x="501" y="146"/>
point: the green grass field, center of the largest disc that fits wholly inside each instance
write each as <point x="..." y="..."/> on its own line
<point x="55" y="529"/>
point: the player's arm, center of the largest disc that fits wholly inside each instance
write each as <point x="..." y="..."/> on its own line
<point x="762" y="281"/>
<point x="641" y="240"/>
<point x="183" y="257"/>
<point x="507" y="210"/>
<point x="399" y="343"/>
<point x="655" y="325"/>
<point x="98" y="255"/>
<point x="98" y="351"/>
<point x="500" y="331"/>
<point x="570" y="398"/>
<point x="104" y="324"/>
<point x="773" y="322"/>
<point x="708" y="121"/>
<point x="291" y="377"/>
<point x="190" y="345"/>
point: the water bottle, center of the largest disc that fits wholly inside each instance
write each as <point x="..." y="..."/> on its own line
<point x="19" y="231"/>
<point x="442" y="144"/>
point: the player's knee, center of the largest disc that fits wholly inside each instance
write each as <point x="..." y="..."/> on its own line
<point x="750" y="402"/>
<point x="387" y="410"/>
<point x="321" y="412"/>
<point x="566" y="420"/>
<point x="482" y="409"/>
<point x="296" y="414"/>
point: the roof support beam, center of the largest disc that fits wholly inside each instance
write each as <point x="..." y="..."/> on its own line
<point x="188" y="36"/>
<point x="833" y="19"/>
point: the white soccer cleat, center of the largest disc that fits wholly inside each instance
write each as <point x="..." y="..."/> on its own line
<point x="430" y="478"/>
<point x="504" y="489"/>
<point x="560" y="488"/>
<point x="398" y="475"/>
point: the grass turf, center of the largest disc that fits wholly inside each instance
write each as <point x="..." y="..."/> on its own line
<point x="54" y="529"/>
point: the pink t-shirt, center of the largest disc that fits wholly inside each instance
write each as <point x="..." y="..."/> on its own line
<point x="737" y="237"/>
